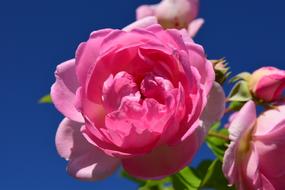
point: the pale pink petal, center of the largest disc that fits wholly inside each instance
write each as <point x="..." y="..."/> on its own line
<point x="145" y="11"/>
<point x="248" y="175"/>
<point x="236" y="164"/>
<point x="271" y="154"/>
<point x="176" y="14"/>
<point x="215" y="107"/>
<point x="64" y="89"/>
<point x="164" y="160"/>
<point x="229" y="164"/>
<point x="195" y="26"/>
<point x="86" y="162"/>
<point x="92" y="166"/>
<point x="252" y="167"/>
<point x="268" y="121"/>
<point x="242" y="170"/>
<point x="65" y="136"/>
<point x="244" y="120"/>
<point x="142" y="23"/>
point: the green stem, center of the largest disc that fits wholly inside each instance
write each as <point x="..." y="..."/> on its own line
<point x="218" y="135"/>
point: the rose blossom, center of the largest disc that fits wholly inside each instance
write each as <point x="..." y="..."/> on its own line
<point x="174" y="14"/>
<point x="267" y="83"/>
<point x="255" y="157"/>
<point x="142" y="97"/>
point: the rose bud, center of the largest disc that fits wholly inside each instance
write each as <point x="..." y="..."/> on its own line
<point x="256" y="154"/>
<point x="174" y="14"/>
<point x="267" y="83"/>
<point x="142" y="97"/>
<point x="221" y="69"/>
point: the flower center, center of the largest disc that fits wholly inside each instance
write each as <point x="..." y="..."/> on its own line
<point x="244" y="144"/>
<point x="155" y="87"/>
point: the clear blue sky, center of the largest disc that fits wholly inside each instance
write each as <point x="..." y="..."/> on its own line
<point x="35" y="36"/>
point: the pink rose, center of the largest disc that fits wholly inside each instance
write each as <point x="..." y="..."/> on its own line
<point x="140" y="97"/>
<point x="174" y="14"/>
<point x="267" y="83"/>
<point x="255" y="157"/>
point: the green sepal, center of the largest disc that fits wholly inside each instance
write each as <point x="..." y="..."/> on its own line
<point x="242" y="76"/>
<point x="240" y="92"/>
<point x="235" y="105"/>
<point x="221" y="70"/>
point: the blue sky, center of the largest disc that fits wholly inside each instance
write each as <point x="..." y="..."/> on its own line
<point x="35" y="36"/>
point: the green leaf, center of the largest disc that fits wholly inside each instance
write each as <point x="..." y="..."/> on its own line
<point x="186" y="179"/>
<point x="214" y="178"/>
<point x="217" y="140"/>
<point x="240" y="92"/>
<point x="45" y="99"/>
<point x="202" y="168"/>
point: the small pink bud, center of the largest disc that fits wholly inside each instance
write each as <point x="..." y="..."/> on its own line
<point x="267" y="83"/>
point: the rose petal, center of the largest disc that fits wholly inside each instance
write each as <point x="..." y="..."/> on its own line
<point x="248" y="176"/>
<point x="205" y="67"/>
<point x="271" y="153"/>
<point x="122" y="85"/>
<point x="268" y="121"/>
<point x="164" y="160"/>
<point x="252" y="167"/>
<point x="195" y="26"/>
<point x="142" y="23"/>
<point x="87" y="53"/>
<point x="137" y="126"/>
<point x="64" y="89"/>
<point x="215" y="107"/>
<point x="92" y="166"/>
<point x="229" y="164"/>
<point x="271" y="87"/>
<point x="145" y="11"/>
<point x="243" y="121"/>
<point x="86" y="162"/>
<point x="266" y="184"/>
